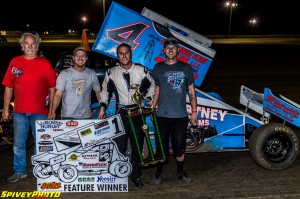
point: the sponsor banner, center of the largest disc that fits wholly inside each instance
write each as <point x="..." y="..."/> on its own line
<point x="146" y="39"/>
<point x="80" y="156"/>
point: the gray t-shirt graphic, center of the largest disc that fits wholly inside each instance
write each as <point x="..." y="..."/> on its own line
<point x="173" y="81"/>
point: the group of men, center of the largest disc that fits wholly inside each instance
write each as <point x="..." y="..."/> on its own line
<point x="31" y="83"/>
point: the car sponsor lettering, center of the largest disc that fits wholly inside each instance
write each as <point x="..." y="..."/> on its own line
<point x="86" y="179"/>
<point x="45" y="142"/>
<point x="101" y="124"/>
<point x="86" y="132"/>
<point x="45" y="136"/>
<point x="108" y="179"/>
<point x="45" y="148"/>
<point x="71" y="123"/>
<point x="51" y="185"/>
<point x="50" y="124"/>
<point x="93" y="165"/>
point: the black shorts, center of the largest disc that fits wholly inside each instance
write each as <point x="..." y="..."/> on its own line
<point x="174" y="129"/>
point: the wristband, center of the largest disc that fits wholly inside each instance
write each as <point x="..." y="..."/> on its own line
<point x="194" y="111"/>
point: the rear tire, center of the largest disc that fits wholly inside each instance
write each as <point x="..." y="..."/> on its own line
<point x="274" y="146"/>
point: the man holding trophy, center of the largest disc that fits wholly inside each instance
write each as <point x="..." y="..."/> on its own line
<point x="131" y="83"/>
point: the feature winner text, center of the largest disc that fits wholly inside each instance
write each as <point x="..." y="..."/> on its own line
<point x="95" y="187"/>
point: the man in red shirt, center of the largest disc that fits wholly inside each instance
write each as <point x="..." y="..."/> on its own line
<point x="30" y="79"/>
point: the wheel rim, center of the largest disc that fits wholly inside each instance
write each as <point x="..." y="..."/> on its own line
<point x="69" y="173"/>
<point x="277" y="147"/>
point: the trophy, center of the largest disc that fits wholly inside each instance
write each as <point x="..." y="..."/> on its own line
<point x="137" y="96"/>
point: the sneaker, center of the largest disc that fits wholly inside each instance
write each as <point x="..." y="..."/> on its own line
<point x="157" y="178"/>
<point x="16" y="177"/>
<point x="182" y="176"/>
<point x="137" y="182"/>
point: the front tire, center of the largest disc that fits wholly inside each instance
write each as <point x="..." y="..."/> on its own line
<point x="42" y="171"/>
<point x="274" y="146"/>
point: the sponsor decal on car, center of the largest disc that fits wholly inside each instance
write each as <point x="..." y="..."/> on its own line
<point x="45" y="148"/>
<point x="71" y="123"/>
<point x="45" y="136"/>
<point x="49" y="124"/>
<point x="45" y="142"/>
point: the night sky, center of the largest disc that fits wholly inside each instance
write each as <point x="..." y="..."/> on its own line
<point x="211" y="17"/>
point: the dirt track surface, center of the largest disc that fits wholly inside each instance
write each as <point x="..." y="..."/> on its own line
<point x="214" y="175"/>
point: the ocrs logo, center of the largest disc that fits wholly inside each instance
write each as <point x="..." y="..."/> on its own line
<point x="86" y="179"/>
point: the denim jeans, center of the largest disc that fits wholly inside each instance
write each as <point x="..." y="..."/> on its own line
<point x="22" y="124"/>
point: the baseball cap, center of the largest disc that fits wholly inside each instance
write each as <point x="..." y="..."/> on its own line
<point x="171" y="41"/>
<point x="79" y="48"/>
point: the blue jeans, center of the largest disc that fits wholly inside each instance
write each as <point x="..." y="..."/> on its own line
<point x="22" y="124"/>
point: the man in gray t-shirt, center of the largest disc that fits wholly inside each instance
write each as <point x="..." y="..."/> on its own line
<point x="173" y="81"/>
<point x="74" y="86"/>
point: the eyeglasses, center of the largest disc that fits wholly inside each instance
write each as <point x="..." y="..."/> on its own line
<point x="80" y="56"/>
